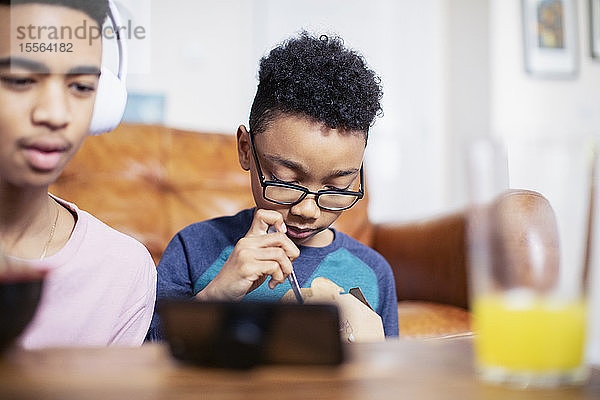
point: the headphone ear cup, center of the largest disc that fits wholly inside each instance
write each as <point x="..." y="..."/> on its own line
<point x="111" y="98"/>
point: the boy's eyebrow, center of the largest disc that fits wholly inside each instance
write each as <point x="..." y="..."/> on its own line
<point x="34" y="66"/>
<point x="299" y="167"/>
<point x="287" y="163"/>
<point x="38" y="67"/>
<point x="343" y="172"/>
<point x="84" y="70"/>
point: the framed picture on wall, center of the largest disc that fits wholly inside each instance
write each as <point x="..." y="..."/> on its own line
<point x="595" y="28"/>
<point x="550" y="37"/>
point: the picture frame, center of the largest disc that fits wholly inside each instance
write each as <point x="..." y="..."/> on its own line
<point x="595" y="29"/>
<point x="550" y="38"/>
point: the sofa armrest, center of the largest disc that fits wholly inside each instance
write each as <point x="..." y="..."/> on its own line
<point x="427" y="257"/>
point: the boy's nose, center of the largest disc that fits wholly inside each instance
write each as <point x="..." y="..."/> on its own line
<point x="307" y="208"/>
<point x="52" y="107"/>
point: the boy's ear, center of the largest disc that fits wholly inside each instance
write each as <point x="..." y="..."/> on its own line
<point x="243" y="148"/>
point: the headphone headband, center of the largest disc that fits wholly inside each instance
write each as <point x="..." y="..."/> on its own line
<point x="111" y="95"/>
<point x="115" y="19"/>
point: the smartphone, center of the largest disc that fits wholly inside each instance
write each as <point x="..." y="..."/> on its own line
<point x="245" y="334"/>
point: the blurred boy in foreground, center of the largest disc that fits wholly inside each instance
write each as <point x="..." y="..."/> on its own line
<point x="100" y="285"/>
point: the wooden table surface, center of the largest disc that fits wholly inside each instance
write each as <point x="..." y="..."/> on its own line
<point x="406" y="368"/>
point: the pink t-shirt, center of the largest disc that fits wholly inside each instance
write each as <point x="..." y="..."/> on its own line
<point x="100" y="290"/>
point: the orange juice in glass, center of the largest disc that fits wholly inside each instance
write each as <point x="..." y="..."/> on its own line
<point x="529" y="252"/>
<point x="537" y="337"/>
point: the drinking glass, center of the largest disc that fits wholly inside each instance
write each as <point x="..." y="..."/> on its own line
<point x="529" y="236"/>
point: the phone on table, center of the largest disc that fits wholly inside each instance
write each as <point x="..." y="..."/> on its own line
<point x="245" y="334"/>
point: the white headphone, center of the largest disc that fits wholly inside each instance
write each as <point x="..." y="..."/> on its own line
<point x="111" y="95"/>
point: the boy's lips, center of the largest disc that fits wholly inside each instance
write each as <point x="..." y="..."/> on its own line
<point x="44" y="155"/>
<point x="300" y="233"/>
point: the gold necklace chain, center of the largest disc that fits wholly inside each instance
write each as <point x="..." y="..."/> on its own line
<point x="51" y="233"/>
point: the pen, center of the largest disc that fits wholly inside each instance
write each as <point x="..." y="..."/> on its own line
<point x="291" y="277"/>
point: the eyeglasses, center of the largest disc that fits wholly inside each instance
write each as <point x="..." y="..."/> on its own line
<point x="289" y="194"/>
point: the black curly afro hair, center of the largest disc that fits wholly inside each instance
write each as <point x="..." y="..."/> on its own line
<point x="96" y="9"/>
<point x="318" y="78"/>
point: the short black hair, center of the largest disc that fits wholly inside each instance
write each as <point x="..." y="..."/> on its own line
<point x="96" y="9"/>
<point x="316" y="77"/>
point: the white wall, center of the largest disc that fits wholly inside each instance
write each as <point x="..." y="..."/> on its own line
<point x="522" y="105"/>
<point x="466" y="80"/>
<point x="202" y="60"/>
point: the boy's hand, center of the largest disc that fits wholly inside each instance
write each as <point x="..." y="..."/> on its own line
<point x="255" y="257"/>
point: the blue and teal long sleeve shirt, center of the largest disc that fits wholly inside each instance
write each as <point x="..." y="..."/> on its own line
<point x="196" y="254"/>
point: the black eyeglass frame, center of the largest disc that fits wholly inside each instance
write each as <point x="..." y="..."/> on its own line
<point x="265" y="183"/>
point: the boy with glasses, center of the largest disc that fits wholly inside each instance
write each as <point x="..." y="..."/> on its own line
<point x="309" y="124"/>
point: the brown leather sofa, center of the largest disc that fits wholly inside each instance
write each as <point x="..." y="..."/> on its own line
<point x="151" y="181"/>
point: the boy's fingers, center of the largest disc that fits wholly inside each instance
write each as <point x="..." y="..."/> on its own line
<point x="265" y="218"/>
<point x="276" y="240"/>
<point x="273" y="283"/>
<point x="277" y="275"/>
<point x="276" y="254"/>
<point x="272" y="249"/>
<point x="264" y="268"/>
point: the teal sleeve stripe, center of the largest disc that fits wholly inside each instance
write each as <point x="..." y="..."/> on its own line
<point x="264" y="293"/>
<point x="213" y="270"/>
<point x="348" y="271"/>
